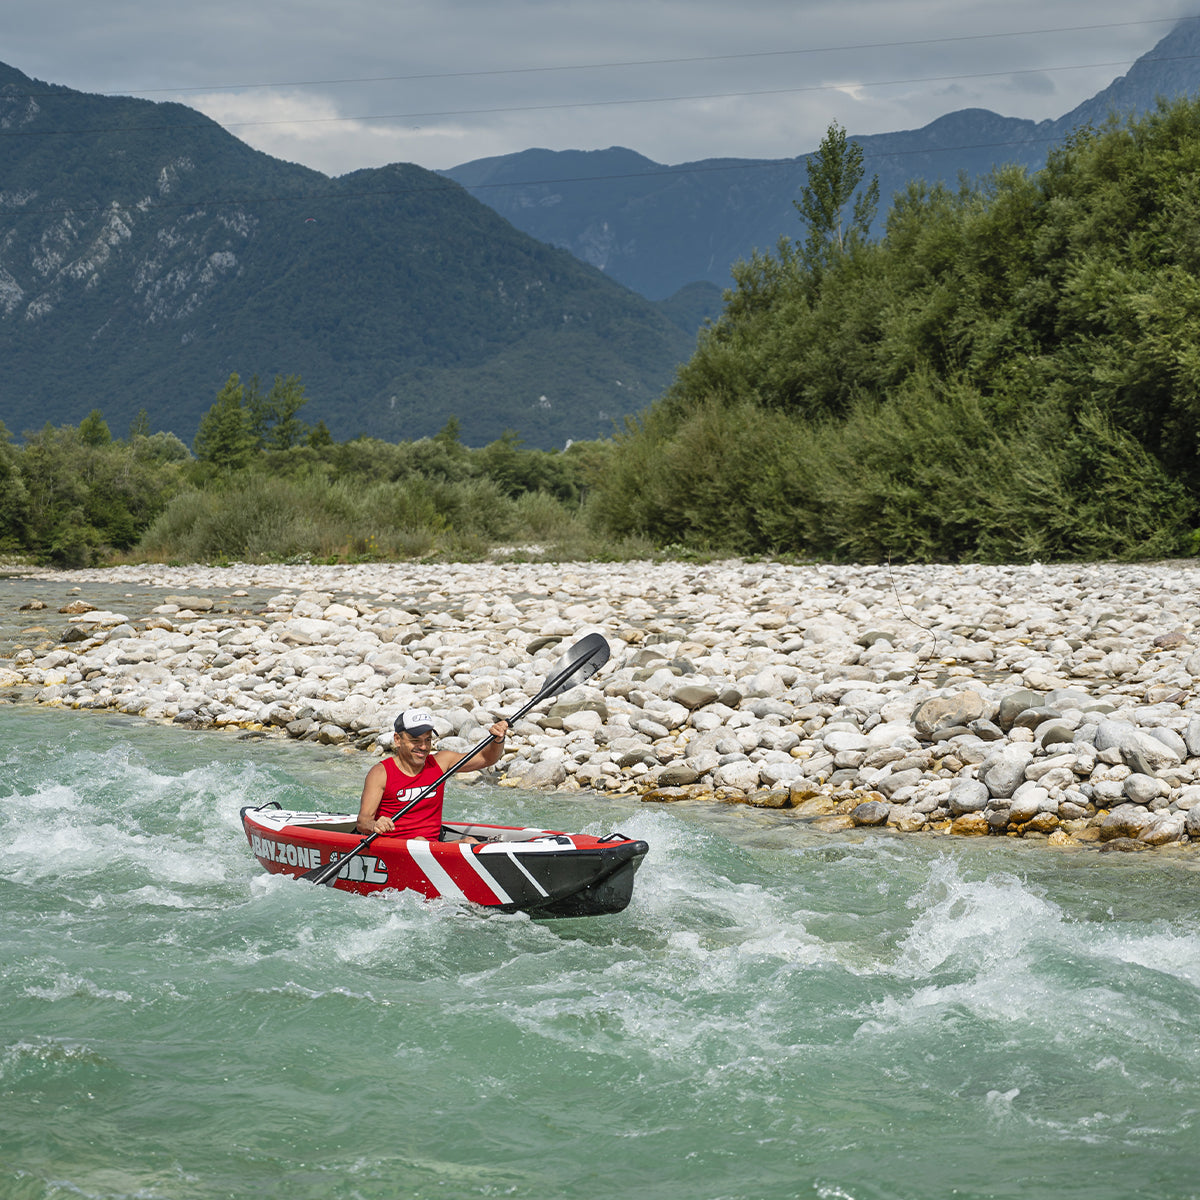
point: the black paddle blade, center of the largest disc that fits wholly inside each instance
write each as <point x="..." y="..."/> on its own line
<point x="327" y="873"/>
<point x="579" y="663"/>
<point x="322" y="876"/>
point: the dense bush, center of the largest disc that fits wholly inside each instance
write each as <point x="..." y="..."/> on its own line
<point x="1009" y="372"/>
<point x="259" y="516"/>
<point x="72" y="494"/>
<point x="76" y="495"/>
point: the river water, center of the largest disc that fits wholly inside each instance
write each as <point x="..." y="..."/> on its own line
<point x="780" y="1013"/>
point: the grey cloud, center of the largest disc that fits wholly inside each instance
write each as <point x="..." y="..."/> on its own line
<point x="485" y="60"/>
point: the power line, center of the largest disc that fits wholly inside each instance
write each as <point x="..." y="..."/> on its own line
<point x="563" y="105"/>
<point x="649" y="62"/>
<point x="821" y="87"/>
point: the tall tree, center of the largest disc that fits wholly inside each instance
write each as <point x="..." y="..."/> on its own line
<point x="319" y="437"/>
<point x="225" y="438"/>
<point x="284" y="401"/>
<point x="450" y="434"/>
<point x="14" y="500"/>
<point x="139" y="427"/>
<point x="835" y="171"/>
<point x="93" y="429"/>
<point x="257" y="406"/>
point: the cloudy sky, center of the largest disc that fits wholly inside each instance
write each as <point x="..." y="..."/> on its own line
<point x="360" y="83"/>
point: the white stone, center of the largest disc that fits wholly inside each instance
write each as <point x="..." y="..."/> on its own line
<point x="584" y="719"/>
<point x="741" y="775"/>
<point x="773" y="773"/>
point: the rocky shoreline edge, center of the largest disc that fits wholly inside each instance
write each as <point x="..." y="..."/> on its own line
<point x="1054" y="703"/>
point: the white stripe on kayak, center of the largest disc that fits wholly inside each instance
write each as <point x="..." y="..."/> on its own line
<point x="422" y="855"/>
<point x="473" y="859"/>
<point x="521" y="867"/>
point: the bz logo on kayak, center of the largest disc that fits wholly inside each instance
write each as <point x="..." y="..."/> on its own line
<point x="363" y="868"/>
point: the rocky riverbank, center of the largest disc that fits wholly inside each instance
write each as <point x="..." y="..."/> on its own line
<point x="1047" y="702"/>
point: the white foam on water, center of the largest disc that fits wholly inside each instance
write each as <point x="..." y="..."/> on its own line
<point x="408" y="925"/>
<point x="294" y="990"/>
<point x="66" y="986"/>
<point x="682" y="1001"/>
<point x="972" y="923"/>
<point x="679" y="891"/>
<point x="153" y="896"/>
<point x="111" y="815"/>
<point x="972" y="948"/>
<point x="1000" y="1104"/>
<point x="992" y="963"/>
<point x="267" y="885"/>
<point x="831" y="1191"/>
<point x="317" y="930"/>
<point x="22" y="1057"/>
<point x="703" y="973"/>
<point x="1164" y="951"/>
<point x="80" y="850"/>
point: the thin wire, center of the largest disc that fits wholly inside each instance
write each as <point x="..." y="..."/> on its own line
<point x="463" y="112"/>
<point x="652" y="62"/>
<point x="823" y="87"/>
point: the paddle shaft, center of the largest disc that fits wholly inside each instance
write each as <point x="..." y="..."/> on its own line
<point x="549" y="688"/>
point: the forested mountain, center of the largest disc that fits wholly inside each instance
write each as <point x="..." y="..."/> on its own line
<point x="656" y="228"/>
<point x="146" y="254"/>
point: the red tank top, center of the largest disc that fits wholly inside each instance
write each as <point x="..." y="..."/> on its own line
<point x="425" y="820"/>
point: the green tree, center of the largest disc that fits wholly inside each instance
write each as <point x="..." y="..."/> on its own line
<point x="1009" y="372"/>
<point x="284" y="401"/>
<point x="320" y="436"/>
<point x="835" y="170"/>
<point x="93" y="430"/>
<point x="140" y="426"/>
<point x="258" y="412"/>
<point x="225" y="438"/>
<point x="14" y="500"/>
<point x="450" y="434"/>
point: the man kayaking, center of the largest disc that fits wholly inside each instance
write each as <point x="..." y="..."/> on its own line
<point x="412" y="766"/>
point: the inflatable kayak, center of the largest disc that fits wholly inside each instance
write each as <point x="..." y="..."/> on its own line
<point x="539" y="871"/>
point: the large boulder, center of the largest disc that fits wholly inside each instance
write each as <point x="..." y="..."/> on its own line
<point x="970" y="825"/>
<point x="943" y="712"/>
<point x="1015" y="703"/>
<point x="539" y="776"/>
<point x="1003" y="773"/>
<point x="1167" y="827"/>
<point x="1126" y="821"/>
<point x="1139" y="750"/>
<point x="967" y="796"/>
<point x="870" y="812"/>
<point x="677" y="774"/>
<point x="742" y="775"/>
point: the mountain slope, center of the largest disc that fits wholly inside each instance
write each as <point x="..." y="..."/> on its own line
<point x="656" y="228"/>
<point x="145" y="254"/>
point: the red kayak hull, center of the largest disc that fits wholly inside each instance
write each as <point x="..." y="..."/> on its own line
<point x="543" y="872"/>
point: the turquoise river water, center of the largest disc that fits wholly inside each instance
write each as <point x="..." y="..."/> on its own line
<point x="780" y="1013"/>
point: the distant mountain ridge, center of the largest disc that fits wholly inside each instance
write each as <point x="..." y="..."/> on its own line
<point x="145" y="254"/>
<point x="657" y="228"/>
